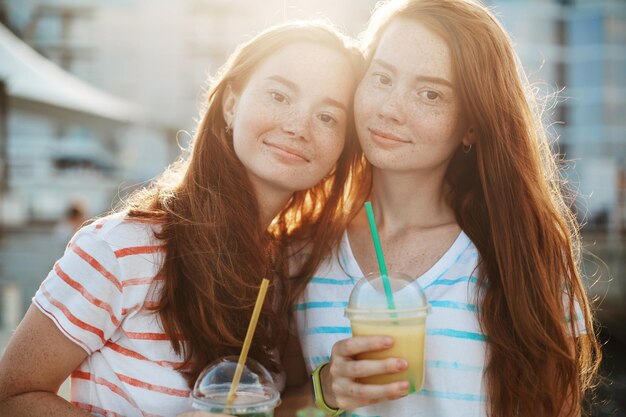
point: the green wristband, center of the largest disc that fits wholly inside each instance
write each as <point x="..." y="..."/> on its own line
<point x="318" y="393"/>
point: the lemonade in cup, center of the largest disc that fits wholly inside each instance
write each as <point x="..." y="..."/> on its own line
<point x="370" y="315"/>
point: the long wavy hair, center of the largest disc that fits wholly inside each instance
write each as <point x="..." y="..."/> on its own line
<point x="217" y="251"/>
<point x="509" y="198"/>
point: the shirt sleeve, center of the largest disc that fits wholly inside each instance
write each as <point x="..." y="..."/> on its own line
<point x="82" y="294"/>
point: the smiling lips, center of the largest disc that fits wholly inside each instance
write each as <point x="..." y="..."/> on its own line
<point x="387" y="138"/>
<point x="288" y="152"/>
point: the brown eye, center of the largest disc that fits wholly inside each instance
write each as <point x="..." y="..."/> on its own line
<point x="326" y="118"/>
<point x="278" y="97"/>
<point x="430" y="95"/>
<point x="383" y="79"/>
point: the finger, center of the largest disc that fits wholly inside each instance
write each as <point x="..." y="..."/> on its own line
<point x="371" y="392"/>
<point x="360" y="344"/>
<point x="368" y="367"/>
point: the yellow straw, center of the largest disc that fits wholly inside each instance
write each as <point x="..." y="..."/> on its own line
<point x="248" y="340"/>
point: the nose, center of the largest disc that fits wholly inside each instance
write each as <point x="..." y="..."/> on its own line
<point x="393" y="107"/>
<point x="296" y="124"/>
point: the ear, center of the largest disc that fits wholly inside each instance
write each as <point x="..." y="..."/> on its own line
<point x="229" y="104"/>
<point x="470" y="136"/>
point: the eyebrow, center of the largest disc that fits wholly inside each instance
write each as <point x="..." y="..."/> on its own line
<point x="294" y="86"/>
<point x="435" y="80"/>
<point x="284" y="81"/>
<point x="335" y="103"/>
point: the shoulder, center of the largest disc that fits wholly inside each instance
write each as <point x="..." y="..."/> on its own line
<point x="462" y="258"/>
<point x="115" y="238"/>
<point x="120" y="227"/>
<point x="468" y="252"/>
<point x="119" y="232"/>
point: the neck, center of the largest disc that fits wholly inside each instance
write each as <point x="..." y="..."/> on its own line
<point x="405" y="199"/>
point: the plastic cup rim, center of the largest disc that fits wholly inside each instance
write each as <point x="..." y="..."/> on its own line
<point x="418" y="310"/>
<point x="268" y="404"/>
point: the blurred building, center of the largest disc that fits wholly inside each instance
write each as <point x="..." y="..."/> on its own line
<point x="58" y="138"/>
<point x="578" y="48"/>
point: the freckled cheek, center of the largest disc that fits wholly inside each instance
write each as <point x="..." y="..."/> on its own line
<point x="328" y="145"/>
<point x="259" y="120"/>
<point x="336" y="144"/>
<point x="437" y="126"/>
<point x="366" y="103"/>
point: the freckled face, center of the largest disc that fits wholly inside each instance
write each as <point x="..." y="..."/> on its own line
<point x="289" y="121"/>
<point x="406" y="107"/>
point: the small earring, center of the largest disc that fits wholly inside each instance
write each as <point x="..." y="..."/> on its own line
<point x="228" y="130"/>
<point x="467" y="149"/>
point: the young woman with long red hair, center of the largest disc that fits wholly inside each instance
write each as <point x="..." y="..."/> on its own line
<point x="468" y="200"/>
<point x="145" y="298"/>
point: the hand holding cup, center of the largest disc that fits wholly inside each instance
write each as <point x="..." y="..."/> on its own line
<point x="340" y="378"/>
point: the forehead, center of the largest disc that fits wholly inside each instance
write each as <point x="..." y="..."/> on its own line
<point x="413" y="47"/>
<point x="313" y="67"/>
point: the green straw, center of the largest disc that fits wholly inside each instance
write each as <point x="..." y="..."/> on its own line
<point x="379" y="255"/>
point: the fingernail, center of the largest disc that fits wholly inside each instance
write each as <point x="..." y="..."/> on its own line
<point x="387" y="341"/>
<point x="404" y="385"/>
<point x="401" y="364"/>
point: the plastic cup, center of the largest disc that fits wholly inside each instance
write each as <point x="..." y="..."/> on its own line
<point x="370" y="316"/>
<point x="256" y="395"/>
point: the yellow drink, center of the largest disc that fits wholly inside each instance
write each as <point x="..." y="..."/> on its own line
<point x="394" y="306"/>
<point x="408" y="334"/>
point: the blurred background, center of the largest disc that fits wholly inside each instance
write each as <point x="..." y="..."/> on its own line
<point x="96" y="98"/>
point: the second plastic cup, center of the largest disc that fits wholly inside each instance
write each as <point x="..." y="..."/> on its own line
<point x="370" y="316"/>
<point x="257" y="395"/>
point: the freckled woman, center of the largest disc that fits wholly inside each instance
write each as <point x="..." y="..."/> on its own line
<point x="468" y="200"/>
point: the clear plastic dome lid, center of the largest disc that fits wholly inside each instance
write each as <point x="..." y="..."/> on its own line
<point x="368" y="295"/>
<point x="256" y="391"/>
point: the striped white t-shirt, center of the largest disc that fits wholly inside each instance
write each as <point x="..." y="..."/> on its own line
<point x="97" y="295"/>
<point x="455" y="345"/>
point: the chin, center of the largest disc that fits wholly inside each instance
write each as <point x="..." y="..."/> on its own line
<point x="300" y="187"/>
<point x="389" y="164"/>
<point x="380" y="160"/>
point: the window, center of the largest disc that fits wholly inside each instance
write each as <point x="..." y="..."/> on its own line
<point x="585" y="28"/>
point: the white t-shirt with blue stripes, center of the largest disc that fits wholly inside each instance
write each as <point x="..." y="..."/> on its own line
<point x="455" y="346"/>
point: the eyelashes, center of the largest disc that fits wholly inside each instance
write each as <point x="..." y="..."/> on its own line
<point x="430" y="95"/>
